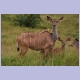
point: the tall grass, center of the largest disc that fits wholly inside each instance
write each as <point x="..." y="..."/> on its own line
<point x="68" y="27"/>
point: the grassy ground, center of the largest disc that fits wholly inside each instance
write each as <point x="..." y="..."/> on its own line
<point x="68" y="27"/>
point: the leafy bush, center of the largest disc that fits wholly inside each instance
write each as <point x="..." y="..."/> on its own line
<point x="28" y="20"/>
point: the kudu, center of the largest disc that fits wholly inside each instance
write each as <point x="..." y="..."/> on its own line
<point x="42" y="41"/>
<point x="54" y="33"/>
<point x="35" y="41"/>
<point x="62" y="48"/>
<point x="75" y="43"/>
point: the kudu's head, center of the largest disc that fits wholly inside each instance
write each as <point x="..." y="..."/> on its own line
<point x="64" y="41"/>
<point x="54" y="22"/>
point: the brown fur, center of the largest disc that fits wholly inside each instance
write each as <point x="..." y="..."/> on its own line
<point x="35" y="41"/>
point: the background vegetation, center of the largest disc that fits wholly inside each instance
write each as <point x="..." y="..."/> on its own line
<point x="13" y="25"/>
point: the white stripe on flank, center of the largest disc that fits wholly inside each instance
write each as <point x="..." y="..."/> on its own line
<point x="30" y="38"/>
<point x="39" y="40"/>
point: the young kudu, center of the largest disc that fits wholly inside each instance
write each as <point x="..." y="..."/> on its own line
<point x="62" y="48"/>
<point x="42" y="41"/>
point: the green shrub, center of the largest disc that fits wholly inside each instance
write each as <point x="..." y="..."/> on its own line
<point x="27" y="20"/>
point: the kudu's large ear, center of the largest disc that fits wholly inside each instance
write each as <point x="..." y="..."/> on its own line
<point x="49" y="18"/>
<point x="68" y="39"/>
<point x="59" y="39"/>
<point x="60" y="19"/>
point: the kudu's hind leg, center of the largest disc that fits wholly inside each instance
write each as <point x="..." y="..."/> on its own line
<point x="23" y="51"/>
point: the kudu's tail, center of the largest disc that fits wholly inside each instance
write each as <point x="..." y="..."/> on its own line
<point x="17" y="43"/>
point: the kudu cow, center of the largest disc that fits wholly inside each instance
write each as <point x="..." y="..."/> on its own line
<point x="42" y="41"/>
<point x="54" y="33"/>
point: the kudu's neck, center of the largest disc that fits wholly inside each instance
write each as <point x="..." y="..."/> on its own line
<point x="55" y="34"/>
